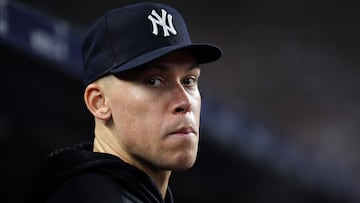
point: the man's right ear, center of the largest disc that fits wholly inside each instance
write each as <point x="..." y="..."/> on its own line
<point x="95" y="101"/>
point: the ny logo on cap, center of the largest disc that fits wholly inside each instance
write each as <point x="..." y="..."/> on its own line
<point x="161" y="21"/>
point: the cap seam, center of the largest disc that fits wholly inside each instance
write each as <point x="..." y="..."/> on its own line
<point x="108" y="39"/>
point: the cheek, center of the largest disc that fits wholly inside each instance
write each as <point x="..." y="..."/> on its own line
<point x="126" y="111"/>
<point x="197" y="105"/>
<point x="133" y="113"/>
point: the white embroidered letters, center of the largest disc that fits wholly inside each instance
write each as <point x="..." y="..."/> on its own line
<point x="165" y="21"/>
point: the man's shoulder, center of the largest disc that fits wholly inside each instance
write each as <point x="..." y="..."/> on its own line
<point x="91" y="187"/>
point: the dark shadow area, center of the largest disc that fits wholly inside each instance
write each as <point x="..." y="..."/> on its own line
<point x="43" y="109"/>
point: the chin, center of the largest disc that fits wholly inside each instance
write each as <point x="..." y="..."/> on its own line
<point x="183" y="168"/>
<point x="183" y="162"/>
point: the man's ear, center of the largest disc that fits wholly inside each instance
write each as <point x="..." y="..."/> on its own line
<point x="96" y="102"/>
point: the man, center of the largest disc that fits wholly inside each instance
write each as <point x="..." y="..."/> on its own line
<point x="141" y="73"/>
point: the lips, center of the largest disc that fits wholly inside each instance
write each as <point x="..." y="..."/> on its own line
<point x="184" y="131"/>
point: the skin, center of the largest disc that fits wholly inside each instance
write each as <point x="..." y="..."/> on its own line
<point x="150" y="116"/>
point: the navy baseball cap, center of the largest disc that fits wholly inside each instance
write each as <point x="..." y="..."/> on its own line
<point x="131" y="36"/>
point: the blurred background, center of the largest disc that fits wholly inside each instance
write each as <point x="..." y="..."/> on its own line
<point x="280" y="120"/>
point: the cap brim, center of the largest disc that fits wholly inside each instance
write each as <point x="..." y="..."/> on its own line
<point x="203" y="53"/>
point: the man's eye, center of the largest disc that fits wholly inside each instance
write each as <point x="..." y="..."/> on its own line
<point x="190" y="81"/>
<point x="154" y="82"/>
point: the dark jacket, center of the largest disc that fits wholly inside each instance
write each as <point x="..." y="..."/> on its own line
<point x="79" y="175"/>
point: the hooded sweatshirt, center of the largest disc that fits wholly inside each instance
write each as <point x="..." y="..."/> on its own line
<point x="77" y="174"/>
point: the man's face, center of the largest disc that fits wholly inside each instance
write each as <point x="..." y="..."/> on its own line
<point x="156" y="112"/>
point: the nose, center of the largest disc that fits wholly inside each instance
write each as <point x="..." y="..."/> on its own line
<point x="181" y="100"/>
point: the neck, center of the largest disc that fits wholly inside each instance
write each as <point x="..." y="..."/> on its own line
<point x="159" y="176"/>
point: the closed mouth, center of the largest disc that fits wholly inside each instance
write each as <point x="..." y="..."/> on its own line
<point x="184" y="131"/>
